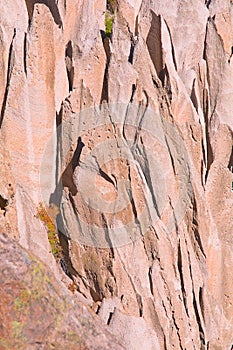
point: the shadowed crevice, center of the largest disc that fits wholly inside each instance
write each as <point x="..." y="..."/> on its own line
<point x="9" y="74"/>
<point x="154" y="43"/>
<point x="180" y="269"/>
<point x="69" y="65"/>
<point x="230" y="164"/>
<point x="3" y="204"/>
<point x="107" y="49"/>
<point x="52" y="6"/>
<point x="67" y="175"/>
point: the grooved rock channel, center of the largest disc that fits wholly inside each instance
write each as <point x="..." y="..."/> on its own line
<point x="116" y="166"/>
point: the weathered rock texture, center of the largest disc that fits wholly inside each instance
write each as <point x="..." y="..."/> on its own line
<point x="138" y="173"/>
<point x="36" y="313"/>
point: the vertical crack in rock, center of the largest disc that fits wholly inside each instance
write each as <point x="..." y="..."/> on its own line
<point x="133" y="205"/>
<point x="194" y="97"/>
<point x="134" y="87"/>
<point x="107" y="236"/>
<point x="110" y="317"/>
<point x="206" y="111"/>
<point x="131" y="53"/>
<point x="69" y="65"/>
<point x="154" y="43"/>
<point x="209" y="158"/>
<point x="136" y="31"/>
<point x="195" y="227"/>
<point x="198" y="318"/>
<point x="165" y="302"/>
<point x="150" y="280"/>
<point x="25" y="54"/>
<point x="201" y="302"/>
<point x="52" y="6"/>
<point x="201" y="331"/>
<point x="106" y="44"/>
<point x="179" y="264"/>
<point x="67" y="175"/>
<point x="11" y="62"/>
<point x="134" y="40"/>
<point x="177" y="329"/>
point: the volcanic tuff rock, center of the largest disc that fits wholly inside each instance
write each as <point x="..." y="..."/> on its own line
<point x="36" y="313"/>
<point x="116" y="116"/>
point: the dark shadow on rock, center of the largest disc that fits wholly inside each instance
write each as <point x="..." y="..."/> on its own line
<point x="51" y="4"/>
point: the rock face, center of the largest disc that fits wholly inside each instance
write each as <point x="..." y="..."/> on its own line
<point x="116" y="116"/>
<point x="36" y="313"/>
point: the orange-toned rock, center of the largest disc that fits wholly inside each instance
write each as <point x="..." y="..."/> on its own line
<point x="122" y="125"/>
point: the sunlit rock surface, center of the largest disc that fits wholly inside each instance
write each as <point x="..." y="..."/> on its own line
<point x="120" y="126"/>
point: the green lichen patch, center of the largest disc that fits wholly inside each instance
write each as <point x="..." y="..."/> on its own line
<point x="109" y="19"/>
<point x="17" y="329"/>
<point x="110" y="16"/>
<point x="23" y="300"/>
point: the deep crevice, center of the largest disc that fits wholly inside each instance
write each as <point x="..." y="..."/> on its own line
<point x="67" y="175"/>
<point x="201" y="331"/>
<point x="106" y="177"/>
<point x="3" y="204"/>
<point x="108" y="240"/>
<point x="134" y="87"/>
<point x="150" y="280"/>
<point x="179" y="264"/>
<point x="201" y="302"/>
<point x="132" y="202"/>
<point x="106" y="44"/>
<point x="65" y="262"/>
<point x="52" y="6"/>
<point x="132" y="47"/>
<point x="136" y="31"/>
<point x="134" y="40"/>
<point x="139" y="300"/>
<point x="9" y="74"/>
<point x="25" y="54"/>
<point x="195" y="227"/>
<point x="206" y="111"/>
<point x="154" y="42"/>
<point x="109" y="318"/>
<point x="193" y="97"/>
<point x="69" y="65"/>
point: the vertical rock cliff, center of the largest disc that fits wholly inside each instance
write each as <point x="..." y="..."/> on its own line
<point x="116" y="173"/>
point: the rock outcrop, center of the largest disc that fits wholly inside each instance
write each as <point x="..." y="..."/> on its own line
<point x="116" y="117"/>
<point x="37" y="313"/>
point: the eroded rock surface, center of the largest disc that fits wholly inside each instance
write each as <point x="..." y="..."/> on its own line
<point x="137" y="173"/>
<point x="37" y="313"/>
